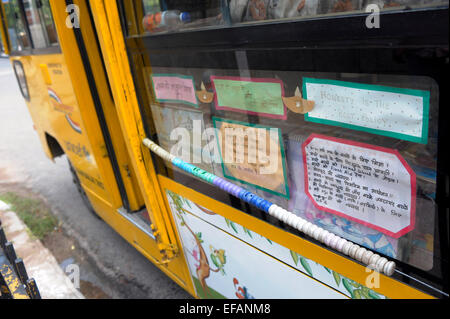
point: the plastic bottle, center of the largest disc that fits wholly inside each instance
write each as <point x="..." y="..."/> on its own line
<point x="165" y="20"/>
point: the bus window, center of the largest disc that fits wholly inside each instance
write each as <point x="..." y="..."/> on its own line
<point x="214" y="93"/>
<point x="30" y="24"/>
<point x="47" y="20"/>
<point x="34" y="19"/>
<point x="175" y="15"/>
<point x="264" y="10"/>
<point x="16" y="26"/>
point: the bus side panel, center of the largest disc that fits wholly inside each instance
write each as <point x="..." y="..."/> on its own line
<point x="226" y="250"/>
<point x="55" y="113"/>
<point x="228" y="260"/>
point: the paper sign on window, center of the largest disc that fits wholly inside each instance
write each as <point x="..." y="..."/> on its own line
<point x="253" y="154"/>
<point x="371" y="185"/>
<point x="174" y="88"/>
<point x="388" y="111"/>
<point x="256" y="96"/>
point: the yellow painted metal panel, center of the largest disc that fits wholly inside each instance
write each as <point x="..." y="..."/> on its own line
<point x="110" y="35"/>
<point x="55" y="111"/>
<point x="128" y="175"/>
<point x="94" y="166"/>
<point x="45" y="73"/>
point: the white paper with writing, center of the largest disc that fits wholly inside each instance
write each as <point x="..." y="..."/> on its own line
<point x="373" y="186"/>
<point x="399" y="115"/>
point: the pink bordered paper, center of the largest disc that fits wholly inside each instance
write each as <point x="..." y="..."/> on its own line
<point x="233" y="108"/>
<point x="174" y="88"/>
<point x="321" y="160"/>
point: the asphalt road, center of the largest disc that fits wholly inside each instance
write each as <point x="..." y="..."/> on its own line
<point x="113" y="265"/>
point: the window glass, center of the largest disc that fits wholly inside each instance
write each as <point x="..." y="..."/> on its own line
<point x="16" y="26"/>
<point x="338" y="180"/>
<point x="151" y="6"/>
<point x="49" y="25"/>
<point x="346" y="138"/>
<point x="1" y="44"/>
<point x="175" y="15"/>
<point x="36" y="25"/>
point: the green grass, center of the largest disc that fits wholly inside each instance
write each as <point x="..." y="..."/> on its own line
<point x="33" y="213"/>
<point x="212" y="294"/>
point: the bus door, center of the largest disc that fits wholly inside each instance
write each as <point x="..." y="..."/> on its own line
<point x="257" y="129"/>
<point x="71" y="117"/>
<point x="144" y="227"/>
<point x="45" y="84"/>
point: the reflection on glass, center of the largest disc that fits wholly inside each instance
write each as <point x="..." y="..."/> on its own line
<point x="34" y="22"/>
<point x="237" y="100"/>
<point x="47" y="18"/>
<point x="174" y="15"/>
<point x="202" y="91"/>
<point x="170" y="16"/>
<point x="259" y="10"/>
<point x="21" y="78"/>
<point x="16" y="27"/>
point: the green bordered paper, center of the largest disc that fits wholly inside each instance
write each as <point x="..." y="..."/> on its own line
<point x="393" y="112"/>
<point x="255" y="96"/>
<point x="275" y="183"/>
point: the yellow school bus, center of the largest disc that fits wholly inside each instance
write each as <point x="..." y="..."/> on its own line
<point x="252" y="149"/>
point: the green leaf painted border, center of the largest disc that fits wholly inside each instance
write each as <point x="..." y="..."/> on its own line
<point x="372" y="87"/>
